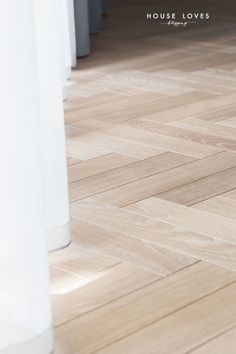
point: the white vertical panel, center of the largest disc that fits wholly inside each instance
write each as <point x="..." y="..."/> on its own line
<point x="25" y="314"/>
<point x="52" y="116"/>
<point x="71" y="16"/>
<point x="63" y="42"/>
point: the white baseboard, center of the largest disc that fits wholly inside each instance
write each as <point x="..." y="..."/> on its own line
<point x="41" y="344"/>
<point x="58" y="237"/>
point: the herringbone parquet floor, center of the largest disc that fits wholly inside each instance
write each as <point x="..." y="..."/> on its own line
<point x="151" y="141"/>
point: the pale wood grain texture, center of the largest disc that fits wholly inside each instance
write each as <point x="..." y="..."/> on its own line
<point x="97" y="141"/>
<point x="158" y="259"/>
<point x="218" y="141"/>
<point x="217" y="345"/>
<point x="168" y="180"/>
<point x="98" y="165"/>
<point x="141" y="308"/>
<point x="156" y="234"/>
<point x="182" y="330"/>
<point x="219" y="205"/>
<point x="151" y="147"/>
<point x="73" y="299"/>
<point x="208" y="224"/>
<point x="125" y="174"/>
<point x="202" y="189"/>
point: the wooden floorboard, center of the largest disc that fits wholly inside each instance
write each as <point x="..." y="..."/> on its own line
<point x="154" y="303"/>
<point x="151" y="152"/>
<point x="156" y="233"/>
<point x="211" y="314"/>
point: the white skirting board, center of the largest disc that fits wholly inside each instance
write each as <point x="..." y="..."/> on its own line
<point x="58" y="237"/>
<point x="40" y="344"/>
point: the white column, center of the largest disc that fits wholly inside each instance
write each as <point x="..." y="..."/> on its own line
<point x="71" y="16"/>
<point x="52" y="115"/>
<point x="63" y="42"/>
<point x="66" y="37"/>
<point x="25" y="313"/>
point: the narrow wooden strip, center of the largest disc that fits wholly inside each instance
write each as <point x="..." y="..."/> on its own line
<point x="230" y="122"/>
<point x="217" y="114"/>
<point x="83" y="151"/>
<point x="158" y="141"/>
<point x="81" y="261"/>
<point x="202" y="189"/>
<point x="159" y="260"/>
<point x="202" y="126"/>
<point x="230" y="194"/>
<point x="191" y="219"/>
<point x="97" y="140"/>
<point x="139" y="309"/>
<point x="75" y="299"/>
<point x="126" y="174"/>
<point x="98" y="165"/>
<point x="173" y="114"/>
<point x="165" y="181"/>
<point x="215" y="313"/>
<point x="118" y="107"/>
<point x="218" y="205"/>
<point x="72" y="161"/>
<point x="220" y="344"/>
<point x="61" y="281"/>
<point x="185" y="242"/>
<point x="182" y="133"/>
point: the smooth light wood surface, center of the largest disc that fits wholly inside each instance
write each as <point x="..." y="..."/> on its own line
<point x="151" y="145"/>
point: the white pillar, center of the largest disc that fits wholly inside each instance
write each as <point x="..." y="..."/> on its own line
<point x="52" y="115"/>
<point x="66" y="37"/>
<point x="25" y="312"/>
<point x="70" y="4"/>
<point x="63" y="42"/>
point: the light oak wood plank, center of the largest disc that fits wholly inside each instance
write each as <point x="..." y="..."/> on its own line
<point x="153" y="139"/>
<point x="61" y="280"/>
<point x="81" y="261"/>
<point x="181" y="133"/>
<point x="202" y="189"/>
<point x="141" y="308"/>
<point x="173" y="114"/>
<point x="224" y="342"/>
<point x="157" y="233"/>
<point x="83" y="151"/>
<point x="157" y="259"/>
<point x="218" y="205"/>
<point x="230" y="194"/>
<point x="180" y="100"/>
<point x="165" y="181"/>
<point x="192" y="82"/>
<point x="99" y="141"/>
<point x="115" y="108"/>
<point x="91" y="292"/>
<point x="126" y="174"/>
<point x="192" y="325"/>
<point x="217" y="114"/>
<point x="195" y="78"/>
<point x="230" y="122"/>
<point x="98" y="165"/>
<point x="72" y="161"/>
<point x="206" y="127"/>
<point x="158" y="141"/>
<point x="205" y="223"/>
